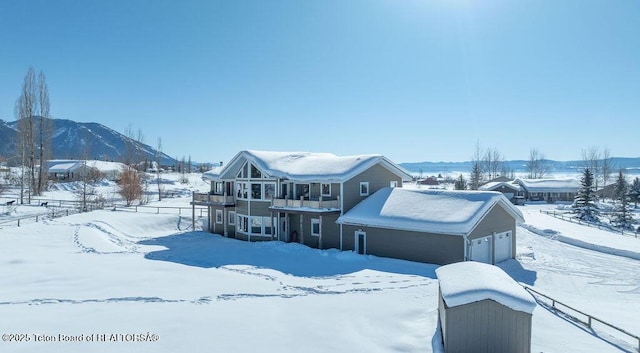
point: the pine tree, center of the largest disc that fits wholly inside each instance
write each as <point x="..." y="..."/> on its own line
<point x="634" y="192"/>
<point x="476" y="176"/>
<point x="622" y="217"/>
<point x="584" y="204"/>
<point x="460" y="183"/>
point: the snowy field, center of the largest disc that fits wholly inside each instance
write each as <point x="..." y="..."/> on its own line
<point x="123" y="281"/>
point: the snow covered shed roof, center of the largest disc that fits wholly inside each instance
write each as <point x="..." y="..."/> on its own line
<point x="469" y="282"/>
<point x="550" y="185"/>
<point x="490" y="186"/>
<point x="309" y="166"/>
<point x="432" y="211"/>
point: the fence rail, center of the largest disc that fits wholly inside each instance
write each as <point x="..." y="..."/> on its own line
<point x="557" y="305"/>
<point x="60" y="208"/>
<point x="564" y="217"/>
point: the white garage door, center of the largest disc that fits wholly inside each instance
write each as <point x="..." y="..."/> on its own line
<point x="504" y="243"/>
<point x="481" y="250"/>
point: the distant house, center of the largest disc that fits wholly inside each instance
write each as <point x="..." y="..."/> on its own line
<point x="549" y="190"/>
<point x="433" y="181"/>
<point x="508" y="188"/>
<point x="434" y="226"/>
<point x="70" y="170"/>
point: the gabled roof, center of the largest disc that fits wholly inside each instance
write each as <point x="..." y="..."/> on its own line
<point x="309" y="166"/>
<point x="64" y="167"/>
<point x="550" y="185"/>
<point x="431" y="211"/>
<point x="493" y="185"/>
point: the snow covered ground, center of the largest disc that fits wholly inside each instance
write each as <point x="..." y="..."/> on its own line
<point x="145" y="282"/>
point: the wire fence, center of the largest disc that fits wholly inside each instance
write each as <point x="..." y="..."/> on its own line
<point x="565" y="216"/>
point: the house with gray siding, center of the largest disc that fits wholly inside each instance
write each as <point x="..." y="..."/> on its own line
<point x="433" y="226"/>
<point x="549" y="190"/>
<point x="292" y="196"/>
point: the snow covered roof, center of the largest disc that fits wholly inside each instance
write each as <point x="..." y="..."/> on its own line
<point x="498" y="184"/>
<point x="213" y="174"/>
<point x="64" y="167"/>
<point x="433" y="211"/>
<point x="309" y="166"/>
<point x="469" y="282"/>
<point x="550" y="185"/>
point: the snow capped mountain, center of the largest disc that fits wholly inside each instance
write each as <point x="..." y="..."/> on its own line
<point x="70" y="139"/>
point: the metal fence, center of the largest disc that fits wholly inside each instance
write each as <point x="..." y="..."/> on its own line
<point x="576" y="315"/>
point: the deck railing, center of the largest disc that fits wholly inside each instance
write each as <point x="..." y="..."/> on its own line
<point x="315" y="204"/>
<point x="208" y="198"/>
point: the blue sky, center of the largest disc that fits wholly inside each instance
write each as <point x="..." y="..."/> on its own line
<point x="412" y="80"/>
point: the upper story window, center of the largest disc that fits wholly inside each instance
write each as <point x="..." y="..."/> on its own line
<point x="255" y="172"/>
<point x="219" y="188"/>
<point x="256" y="191"/>
<point x="269" y="190"/>
<point x="364" y="188"/>
<point x="325" y="189"/>
<point x="242" y="174"/>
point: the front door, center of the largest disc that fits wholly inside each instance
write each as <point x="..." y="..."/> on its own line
<point x="360" y="242"/>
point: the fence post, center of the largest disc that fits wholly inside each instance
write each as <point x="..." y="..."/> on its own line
<point x="36" y="219"/>
<point x="18" y="222"/>
<point x="158" y="210"/>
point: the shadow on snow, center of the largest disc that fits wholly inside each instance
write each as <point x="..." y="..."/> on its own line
<point x="207" y="250"/>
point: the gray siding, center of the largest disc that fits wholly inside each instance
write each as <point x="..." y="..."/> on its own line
<point x="497" y="220"/>
<point x="378" y="177"/>
<point x="414" y="246"/>
<point x="484" y="327"/>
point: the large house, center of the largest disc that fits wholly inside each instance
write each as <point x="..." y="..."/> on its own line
<point x="300" y="197"/>
<point x="549" y="190"/>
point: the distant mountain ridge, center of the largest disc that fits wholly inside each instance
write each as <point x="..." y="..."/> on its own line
<point x="631" y="165"/>
<point x="70" y="139"/>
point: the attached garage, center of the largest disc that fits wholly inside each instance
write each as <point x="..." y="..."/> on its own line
<point x="433" y="226"/>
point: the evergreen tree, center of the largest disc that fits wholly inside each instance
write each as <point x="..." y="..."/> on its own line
<point x="622" y="217"/>
<point x="460" y="183"/>
<point x="584" y="204"/>
<point x="634" y="192"/>
<point x="476" y="176"/>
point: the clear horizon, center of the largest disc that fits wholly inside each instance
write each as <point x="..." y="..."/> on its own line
<point x="413" y="80"/>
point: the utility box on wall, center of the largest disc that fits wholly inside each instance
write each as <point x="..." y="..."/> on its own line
<point x="481" y="309"/>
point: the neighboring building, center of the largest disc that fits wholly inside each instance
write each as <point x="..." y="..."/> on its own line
<point x="434" y="226"/>
<point x="293" y="197"/>
<point x="508" y="188"/>
<point x="549" y="190"/>
<point x="481" y="309"/>
<point x="432" y="181"/>
<point x="70" y="170"/>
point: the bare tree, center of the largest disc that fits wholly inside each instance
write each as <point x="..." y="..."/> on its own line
<point x="607" y="166"/>
<point x="591" y="159"/>
<point x="44" y="132"/>
<point x="536" y="165"/>
<point x="492" y="163"/>
<point x="25" y="111"/>
<point x="130" y="187"/>
<point x="158" y="160"/>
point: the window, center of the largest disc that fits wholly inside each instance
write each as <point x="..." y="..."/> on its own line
<point x="242" y="174"/>
<point x="232" y="218"/>
<point x="243" y="224"/>
<point x="219" y="190"/>
<point x="269" y="191"/>
<point x="325" y="189"/>
<point x="393" y="184"/>
<point x="256" y="191"/>
<point x="256" y="225"/>
<point x="268" y="225"/>
<point x="219" y="216"/>
<point x="315" y="227"/>
<point x="255" y="172"/>
<point x="242" y="190"/>
<point x="364" y="188"/>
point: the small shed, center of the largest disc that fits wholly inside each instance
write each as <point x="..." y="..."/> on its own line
<point x="483" y="310"/>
